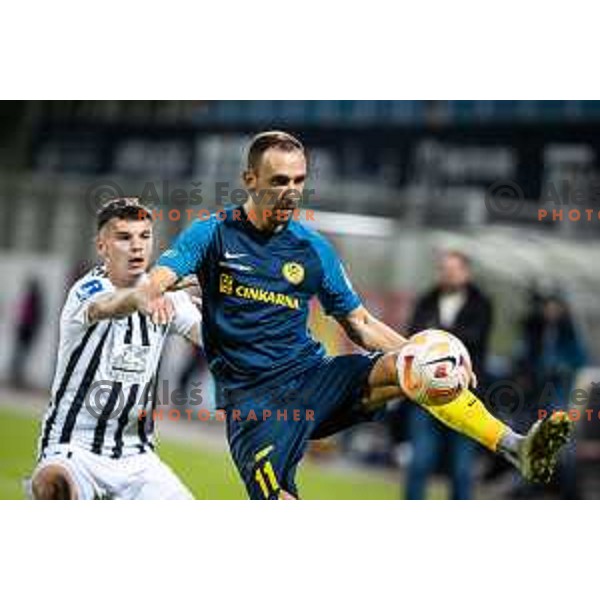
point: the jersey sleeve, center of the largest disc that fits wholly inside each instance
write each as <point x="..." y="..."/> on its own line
<point x="189" y="249"/>
<point x="336" y="294"/>
<point x="186" y="313"/>
<point x="82" y="294"/>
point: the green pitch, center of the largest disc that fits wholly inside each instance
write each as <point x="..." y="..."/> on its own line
<point x="208" y="474"/>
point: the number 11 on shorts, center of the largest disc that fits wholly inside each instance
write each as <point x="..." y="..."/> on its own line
<point x="264" y="474"/>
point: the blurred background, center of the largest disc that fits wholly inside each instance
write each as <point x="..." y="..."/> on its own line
<point x="434" y="207"/>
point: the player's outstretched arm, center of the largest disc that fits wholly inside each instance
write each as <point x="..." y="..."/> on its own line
<point x="370" y="333"/>
<point x="115" y="305"/>
<point x="147" y="298"/>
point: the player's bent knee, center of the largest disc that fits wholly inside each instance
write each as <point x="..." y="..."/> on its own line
<point x="384" y="372"/>
<point x="53" y="483"/>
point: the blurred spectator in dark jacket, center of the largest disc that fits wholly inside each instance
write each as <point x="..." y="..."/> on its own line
<point x="551" y="353"/>
<point x="456" y="305"/>
<point x="28" y="323"/>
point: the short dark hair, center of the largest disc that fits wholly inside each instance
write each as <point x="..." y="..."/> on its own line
<point x="270" y="139"/>
<point x="122" y="208"/>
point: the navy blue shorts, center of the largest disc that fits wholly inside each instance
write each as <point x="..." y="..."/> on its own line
<point x="268" y="431"/>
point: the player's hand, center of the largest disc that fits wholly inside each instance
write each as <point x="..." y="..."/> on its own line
<point x="158" y="307"/>
<point x="161" y="310"/>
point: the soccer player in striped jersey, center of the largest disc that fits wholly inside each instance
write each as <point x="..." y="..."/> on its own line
<point x="259" y="270"/>
<point x="94" y="442"/>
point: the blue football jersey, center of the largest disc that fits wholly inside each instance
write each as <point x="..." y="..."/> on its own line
<point x="256" y="293"/>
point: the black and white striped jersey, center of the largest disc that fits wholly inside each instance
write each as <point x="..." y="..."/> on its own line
<point x="106" y="373"/>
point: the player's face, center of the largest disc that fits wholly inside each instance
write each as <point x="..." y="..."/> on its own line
<point x="453" y="272"/>
<point x="126" y="247"/>
<point x="553" y="310"/>
<point x="278" y="184"/>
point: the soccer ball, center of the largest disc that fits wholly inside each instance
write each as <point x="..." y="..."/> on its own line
<point x="434" y="367"/>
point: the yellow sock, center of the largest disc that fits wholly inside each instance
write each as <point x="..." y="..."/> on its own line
<point x="467" y="415"/>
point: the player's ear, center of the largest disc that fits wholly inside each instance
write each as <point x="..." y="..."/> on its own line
<point x="249" y="178"/>
<point x="100" y="245"/>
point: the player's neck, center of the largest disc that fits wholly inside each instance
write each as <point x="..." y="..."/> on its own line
<point x="256" y="217"/>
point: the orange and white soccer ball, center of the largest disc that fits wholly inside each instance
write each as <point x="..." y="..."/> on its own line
<point x="434" y="367"/>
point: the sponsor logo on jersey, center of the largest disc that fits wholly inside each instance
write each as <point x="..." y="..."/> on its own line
<point x="293" y="272"/>
<point x="131" y="364"/>
<point x="226" y="284"/>
<point x="229" y="287"/>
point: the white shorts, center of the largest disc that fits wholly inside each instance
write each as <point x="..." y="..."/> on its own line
<point x="138" y="477"/>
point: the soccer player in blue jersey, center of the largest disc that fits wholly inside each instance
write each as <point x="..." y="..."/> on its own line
<point x="259" y="267"/>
